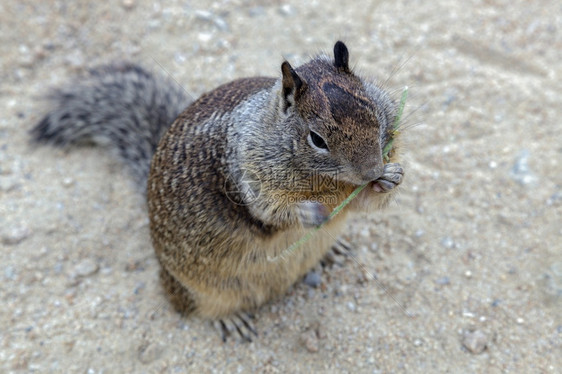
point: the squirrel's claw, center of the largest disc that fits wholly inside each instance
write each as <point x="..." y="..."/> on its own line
<point x="391" y="177"/>
<point x="337" y="253"/>
<point x="240" y="323"/>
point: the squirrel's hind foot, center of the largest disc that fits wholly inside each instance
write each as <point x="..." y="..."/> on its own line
<point x="239" y="323"/>
<point x="337" y="253"/>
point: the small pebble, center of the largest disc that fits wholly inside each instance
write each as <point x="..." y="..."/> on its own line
<point x="67" y="182"/>
<point x="257" y="11"/>
<point x="554" y="199"/>
<point x="75" y="59"/>
<point x="219" y="22"/>
<point x="520" y="171"/>
<point x="443" y="281"/>
<point x="364" y="277"/>
<point x="86" y="268"/>
<point x="448" y="242"/>
<point x="9" y="183"/>
<point x="12" y="103"/>
<point x="286" y="10"/>
<point x="310" y="294"/>
<point x="204" y="37"/>
<point x="128" y="4"/>
<point x="475" y="341"/>
<point x="9" y="272"/>
<point x="15" y="235"/>
<point x="312" y="279"/>
<point x="148" y="354"/>
<point x="320" y="332"/>
<point x="310" y="341"/>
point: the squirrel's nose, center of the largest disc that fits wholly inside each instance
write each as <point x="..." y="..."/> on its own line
<point x="372" y="173"/>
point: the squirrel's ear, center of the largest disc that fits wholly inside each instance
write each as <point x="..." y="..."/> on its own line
<point x="293" y="86"/>
<point x="341" y="57"/>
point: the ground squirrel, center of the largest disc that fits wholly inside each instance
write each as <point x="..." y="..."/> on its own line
<point x="241" y="173"/>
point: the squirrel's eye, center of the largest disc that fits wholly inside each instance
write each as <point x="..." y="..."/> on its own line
<point x="317" y="141"/>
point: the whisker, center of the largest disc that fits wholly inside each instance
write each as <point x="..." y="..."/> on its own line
<point x="397" y="69"/>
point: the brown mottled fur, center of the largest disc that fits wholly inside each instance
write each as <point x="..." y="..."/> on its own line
<point x="218" y="249"/>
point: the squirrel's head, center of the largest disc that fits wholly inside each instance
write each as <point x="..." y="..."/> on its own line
<point x="342" y="121"/>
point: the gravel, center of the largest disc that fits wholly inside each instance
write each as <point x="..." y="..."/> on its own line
<point x="467" y="257"/>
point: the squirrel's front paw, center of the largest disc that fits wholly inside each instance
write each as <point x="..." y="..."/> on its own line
<point x="391" y="177"/>
<point x="312" y="213"/>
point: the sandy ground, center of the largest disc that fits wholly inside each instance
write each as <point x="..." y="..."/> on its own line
<point x="468" y="260"/>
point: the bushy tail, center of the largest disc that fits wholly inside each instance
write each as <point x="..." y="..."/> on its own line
<point x="122" y="106"/>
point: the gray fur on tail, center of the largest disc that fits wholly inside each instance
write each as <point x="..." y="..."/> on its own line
<point x="122" y="106"/>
